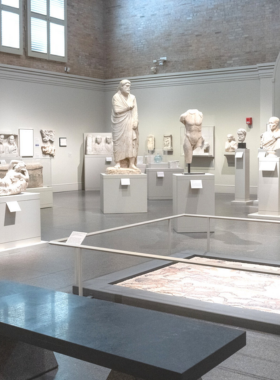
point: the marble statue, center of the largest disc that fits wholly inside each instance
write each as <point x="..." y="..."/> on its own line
<point x="2" y="144"/>
<point x="8" y="145"/>
<point x="48" y="140"/>
<point x="35" y="171"/>
<point x="231" y="144"/>
<point x="270" y="140"/>
<point x="151" y="143"/>
<point x="192" y="120"/>
<point x="16" y="179"/>
<point x="99" y="143"/>
<point x="167" y="143"/>
<point x="125" y="131"/>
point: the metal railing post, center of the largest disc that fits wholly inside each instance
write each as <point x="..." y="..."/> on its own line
<point x="79" y="273"/>
<point x="208" y="234"/>
<point x="169" y="236"/>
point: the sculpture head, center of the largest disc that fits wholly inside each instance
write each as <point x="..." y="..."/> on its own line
<point x="273" y="123"/>
<point x="241" y="135"/>
<point x="11" y="139"/>
<point x="230" y="138"/>
<point x="108" y="140"/>
<point x="98" y="140"/>
<point x="2" y="138"/>
<point x="47" y="135"/>
<point x="124" y="87"/>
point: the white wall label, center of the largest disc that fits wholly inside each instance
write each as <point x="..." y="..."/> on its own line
<point x="108" y="159"/>
<point x="267" y="166"/>
<point x="76" y="238"/>
<point x="160" y="174"/>
<point x="13" y="206"/>
<point x="261" y="154"/>
<point x="196" y="184"/>
<point x="238" y="154"/>
<point x="125" y="181"/>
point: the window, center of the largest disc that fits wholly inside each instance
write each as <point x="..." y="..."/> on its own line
<point x="11" y="26"/>
<point x="47" y="29"/>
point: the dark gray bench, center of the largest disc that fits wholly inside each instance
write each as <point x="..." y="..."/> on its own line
<point x="143" y="343"/>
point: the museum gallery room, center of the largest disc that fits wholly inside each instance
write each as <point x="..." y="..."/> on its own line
<point x="139" y="189"/>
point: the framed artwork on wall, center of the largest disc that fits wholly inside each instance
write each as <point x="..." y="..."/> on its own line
<point x="26" y="142"/>
<point x="63" y="141"/>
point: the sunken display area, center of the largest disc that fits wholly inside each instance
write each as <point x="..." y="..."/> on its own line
<point x="240" y="294"/>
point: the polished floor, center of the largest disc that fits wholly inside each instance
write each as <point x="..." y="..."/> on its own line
<point x="53" y="267"/>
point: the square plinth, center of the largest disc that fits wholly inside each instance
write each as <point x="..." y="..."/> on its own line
<point x="121" y="194"/>
<point x="190" y="200"/>
<point x="242" y="177"/>
<point x="20" y="227"/>
<point x="94" y="166"/>
<point x="160" y="182"/>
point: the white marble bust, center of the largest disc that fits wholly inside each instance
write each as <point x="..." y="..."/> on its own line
<point x="241" y="135"/>
<point x="270" y="140"/>
<point x="231" y="144"/>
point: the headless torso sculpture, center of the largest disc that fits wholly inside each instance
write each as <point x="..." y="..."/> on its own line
<point x="192" y="120"/>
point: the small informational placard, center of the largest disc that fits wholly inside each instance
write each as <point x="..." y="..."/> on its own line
<point x="267" y="166"/>
<point x="108" y="159"/>
<point x="196" y="184"/>
<point x="160" y="174"/>
<point x="2" y="162"/>
<point x="76" y="238"/>
<point x="63" y="142"/>
<point x="125" y="181"/>
<point x="13" y="206"/>
<point x="238" y="154"/>
<point x="261" y="154"/>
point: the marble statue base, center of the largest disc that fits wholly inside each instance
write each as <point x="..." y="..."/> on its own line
<point x="188" y="200"/>
<point x="242" y="177"/>
<point x="113" y="170"/>
<point x="94" y="165"/>
<point x="121" y="194"/>
<point x="46" y="195"/>
<point x="20" y="227"/>
<point x="160" y="182"/>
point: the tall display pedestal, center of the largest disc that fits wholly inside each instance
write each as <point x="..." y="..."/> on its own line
<point x="242" y="177"/>
<point x="269" y="188"/>
<point x="121" y="194"/>
<point x="193" y="194"/>
<point x="94" y="166"/>
<point x="20" y="227"/>
<point x="160" y="182"/>
<point x="46" y="195"/>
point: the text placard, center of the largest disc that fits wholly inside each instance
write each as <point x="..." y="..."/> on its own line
<point x="13" y="206"/>
<point x="76" y="238"/>
<point x="196" y="184"/>
<point x="125" y="181"/>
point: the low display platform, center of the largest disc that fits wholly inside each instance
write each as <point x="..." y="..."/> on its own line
<point x="20" y="227"/>
<point x="193" y="194"/>
<point x="94" y="166"/>
<point x="160" y="182"/>
<point x="123" y="193"/>
<point x="46" y="195"/>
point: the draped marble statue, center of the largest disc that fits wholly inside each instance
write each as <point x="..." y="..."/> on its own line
<point x="192" y="120"/>
<point x="270" y="140"/>
<point x="125" y="131"/>
<point x="16" y="179"/>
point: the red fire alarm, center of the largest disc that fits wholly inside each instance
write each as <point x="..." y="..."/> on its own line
<point x="249" y="120"/>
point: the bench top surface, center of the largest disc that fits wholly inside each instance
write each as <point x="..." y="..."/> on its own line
<point x="132" y="340"/>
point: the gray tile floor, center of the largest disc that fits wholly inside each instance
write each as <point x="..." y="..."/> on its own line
<point x="53" y="267"/>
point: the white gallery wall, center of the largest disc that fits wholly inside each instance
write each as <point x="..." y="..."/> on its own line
<point x="73" y="105"/>
<point x="225" y="97"/>
<point x="42" y="100"/>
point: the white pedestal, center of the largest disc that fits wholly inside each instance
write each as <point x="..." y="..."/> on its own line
<point x="268" y="189"/>
<point x="46" y="195"/>
<point x="142" y="167"/>
<point x="94" y="166"/>
<point x="117" y="198"/>
<point x="160" y="182"/>
<point x="21" y="227"/>
<point x="242" y="177"/>
<point x="160" y="165"/>
<point x="188" y="200"/>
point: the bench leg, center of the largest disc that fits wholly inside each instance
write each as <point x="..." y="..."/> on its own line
<point x="22" y="361"/>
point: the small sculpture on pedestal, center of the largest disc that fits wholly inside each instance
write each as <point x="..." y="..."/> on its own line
<point x="151" y="144"/>
<point x="48" y="140"/>
<point x="231" y="144"/>
<point x="192" y="120"/>
<point x="270" y="140"/>
<point x="125" y="131"/>
<point x="167" y="143"/>
<point x="241" y="136"/>
<point x="16" y="179"/>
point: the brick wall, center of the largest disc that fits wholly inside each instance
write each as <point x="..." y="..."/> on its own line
<point x="85" y="42"/>
<point x="193" y="34"/>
